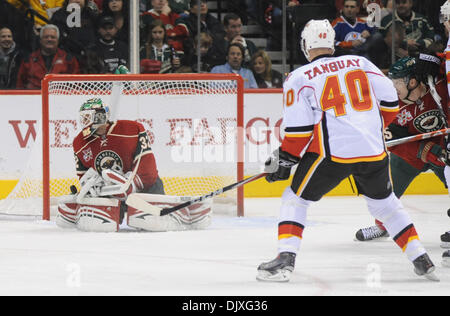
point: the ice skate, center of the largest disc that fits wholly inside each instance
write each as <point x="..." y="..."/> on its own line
<point x="446" y="259"/>
<point x="445" y="240"/>
<point x="424" y="267"/>
<point x="277" y="270"/>
<point x="371" y="233"/>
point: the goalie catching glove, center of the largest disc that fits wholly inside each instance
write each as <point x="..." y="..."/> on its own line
<point x="279" y="165"/>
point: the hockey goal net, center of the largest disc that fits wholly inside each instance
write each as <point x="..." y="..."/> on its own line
<point x="194" y="122"/>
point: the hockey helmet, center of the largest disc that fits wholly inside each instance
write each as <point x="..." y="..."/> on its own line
<point x="401" y="72"/>
<point x="444" y="15"/>
<point x="93" y="114"/>
<point x="403" y="68"/>
<point x="317" y="34"/>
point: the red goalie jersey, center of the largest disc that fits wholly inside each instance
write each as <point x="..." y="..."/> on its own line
<point x="124" y="145"/>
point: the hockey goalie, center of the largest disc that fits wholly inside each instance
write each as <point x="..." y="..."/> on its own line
<point x="114" y="160"/>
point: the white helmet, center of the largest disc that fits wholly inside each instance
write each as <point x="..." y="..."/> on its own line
<point x="445" y="12"/>
<point x="317" y="34"/>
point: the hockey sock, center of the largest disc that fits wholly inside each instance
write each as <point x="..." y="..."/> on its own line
<point x="292" y="221"/>
<point x="398" y="224"/>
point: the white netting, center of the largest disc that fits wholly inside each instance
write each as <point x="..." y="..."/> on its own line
<point x="192" y="126"/>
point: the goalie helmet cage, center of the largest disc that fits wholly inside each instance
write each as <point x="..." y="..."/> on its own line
<point x="210" y="105"/>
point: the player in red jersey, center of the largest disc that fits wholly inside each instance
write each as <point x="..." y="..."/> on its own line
<point x="113" y="160"/>
<point x="419" y="113"/>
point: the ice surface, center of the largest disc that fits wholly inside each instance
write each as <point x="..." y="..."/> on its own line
<point x="38" y="258"/>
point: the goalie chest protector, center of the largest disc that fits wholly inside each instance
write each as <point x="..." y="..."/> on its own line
<point x="119" y="149"/>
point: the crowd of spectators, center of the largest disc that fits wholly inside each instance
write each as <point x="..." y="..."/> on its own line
<point x="92" y="36"/>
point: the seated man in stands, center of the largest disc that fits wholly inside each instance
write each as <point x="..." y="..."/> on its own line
<point x="352" y="32"/>
<point x="233" y="28"/>
<point x="47" y="59"/>
<point x="235" y="57"/>
<point x="419" y="34"/>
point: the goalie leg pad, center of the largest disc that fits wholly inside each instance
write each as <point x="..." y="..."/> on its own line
<point x="67" y="215"/>
<point x="196" y="216"/>
<point x="200" y="215"/>
<point x="172" y="222"/>
<point x="104" y="217"/>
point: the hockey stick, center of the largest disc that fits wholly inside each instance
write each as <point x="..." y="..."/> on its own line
<point x="414" y="138"/>
<point x="137" y="202"/>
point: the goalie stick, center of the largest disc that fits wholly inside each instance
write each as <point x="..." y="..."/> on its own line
<point x="136" y="201"/>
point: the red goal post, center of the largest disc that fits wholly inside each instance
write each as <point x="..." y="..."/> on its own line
<point x="210" y="105"/>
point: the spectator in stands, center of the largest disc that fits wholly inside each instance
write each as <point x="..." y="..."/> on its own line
<point x="92" y="62"/>
<point x="176" y="31"/>
<point x="119" y="10"/>
<point x="265" y="76"/>
<point x="76" y="34"/>
<point x="235" y="58"/>
<point x="21" y="25"/>
<point x="207" y="58"/>
<point x="419" y="32"/>
<point x="273" y="18"/>
<point x="180" y="6"/>
<point x="113" y="51"/>
<point x="209" y="24"/>
<point x="41" y="11"/>
<point x="47" y="59"/>
<point x="233" y="28"/>
<point x="381" y="53"/>
<point x="10" y="59"/>
<point x="353" y="35"/>
<point x="157" y="48"/>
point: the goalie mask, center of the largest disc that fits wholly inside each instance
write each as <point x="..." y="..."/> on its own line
<point x="317" y="34"/>
<point x="93" y="114"/>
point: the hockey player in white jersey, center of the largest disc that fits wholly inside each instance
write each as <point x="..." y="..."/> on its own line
<point x="335" y="109"/>
<point x="445" y="19"/>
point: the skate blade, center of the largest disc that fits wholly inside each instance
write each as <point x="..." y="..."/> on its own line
<point x="432" y="277"/>
<point x="279" y="276"/>
<point x="379" y="239"/>
<point x="445" y="245"/>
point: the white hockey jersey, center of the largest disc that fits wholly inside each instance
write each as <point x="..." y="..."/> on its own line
<point x="334" y="106"/>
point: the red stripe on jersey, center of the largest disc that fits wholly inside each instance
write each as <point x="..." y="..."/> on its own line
<point x="389" y="116"/>
<point x="294" y="145"/>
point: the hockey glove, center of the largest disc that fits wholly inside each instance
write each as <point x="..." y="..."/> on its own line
<point x="447" y="154"/>
<point x="431" y="153"/>
<point x="427" y="65"/>
<point x="279" y="165"/>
